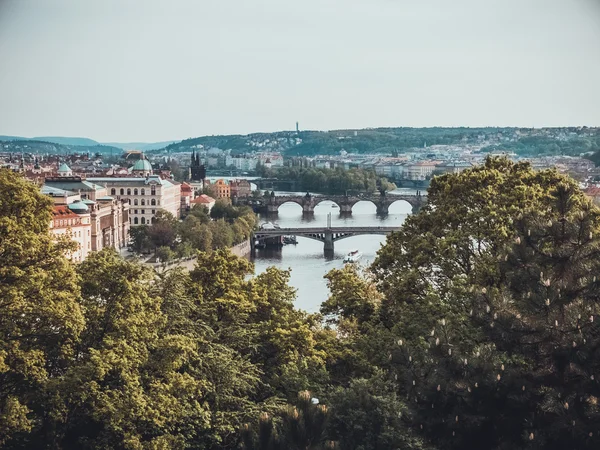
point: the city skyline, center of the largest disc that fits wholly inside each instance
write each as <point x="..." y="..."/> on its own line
<point x="154" y="71"/>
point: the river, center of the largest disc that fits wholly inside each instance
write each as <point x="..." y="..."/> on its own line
<point x="306" y="259"/>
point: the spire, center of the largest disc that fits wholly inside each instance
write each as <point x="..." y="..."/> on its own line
<point x="193" y="157"/>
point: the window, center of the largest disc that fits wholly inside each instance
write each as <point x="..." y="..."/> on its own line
<point x="128" y="191"/>
<point x="143" y="220"/>
<point x="122" y="191"/>
<point x="154" y="220"/>
<point x="135" y="221"/>
<point x="153" y="211"/>
<point x="129" y="201"/>
<point x="135" y="191"/>
<point x="113" y="191"/>
<point x="153" y="190"/>
<point x="135" y="201"/>
<point x="143" y="191"/>
<point x="135" y="211"/>
<point x="153" y="202"/>
<point x="143" y="211"/>
<point x="143" y="201"/>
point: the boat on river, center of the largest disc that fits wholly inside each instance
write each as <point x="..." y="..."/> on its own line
<point x="353" y="256"/>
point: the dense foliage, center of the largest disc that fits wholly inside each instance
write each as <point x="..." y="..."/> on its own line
<point x="169" y="239"/>
<point x="485" y="318"/>
<point x="475" y="329"/>
<point x="332" y="181"/>
<point x="107" y="354"/>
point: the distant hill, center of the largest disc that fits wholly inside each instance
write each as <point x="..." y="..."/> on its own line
<point x="62" y="140"/>
<point x="524" y="141"/>
<point x="86" y="142"/>
<point x="143" y="146"/>
<point x="35" y="146"/>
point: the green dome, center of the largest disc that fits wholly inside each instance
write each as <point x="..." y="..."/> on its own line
<point x="142" y="165"/>
<point x="78" y="207"/>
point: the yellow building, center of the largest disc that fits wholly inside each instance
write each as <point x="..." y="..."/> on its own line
<point x="222" y="190"/>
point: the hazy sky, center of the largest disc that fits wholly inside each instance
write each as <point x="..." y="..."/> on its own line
<point x="148" y="70"/>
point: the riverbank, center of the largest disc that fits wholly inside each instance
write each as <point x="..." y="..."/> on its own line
<point x="241" y="250"/>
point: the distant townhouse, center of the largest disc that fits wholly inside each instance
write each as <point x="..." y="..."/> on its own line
<point x="75" y="224"/>
<point x="240" y="188"/>
<point x="203" y="200"/>
<point x="187" y="195"/>
<point x="420" y="170"/>
<point x="108" y="216"/>
<point x="144" y="192"/>
<point x="453" y="166"/>
<point x="221" y="189"/>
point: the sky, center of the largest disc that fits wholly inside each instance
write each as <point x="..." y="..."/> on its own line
<point x="153" y="70"/>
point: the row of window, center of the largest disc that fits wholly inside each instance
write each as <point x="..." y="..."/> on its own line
<point x="142" y="221"/>
<point x="143" y="211"/>
<point x="113" y="191"/>
<point x="66" y="222"/>
<point x="152" y="202"/>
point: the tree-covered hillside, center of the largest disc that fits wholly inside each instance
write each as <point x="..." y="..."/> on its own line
<point x="524" y="141"/>
<point x="45" y="147"/>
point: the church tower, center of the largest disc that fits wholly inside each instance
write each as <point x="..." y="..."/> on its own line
<point x="197" y="170"/>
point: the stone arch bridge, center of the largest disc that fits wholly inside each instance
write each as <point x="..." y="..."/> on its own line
<point x="308" y="202"/>
<point x="327" y="235"/>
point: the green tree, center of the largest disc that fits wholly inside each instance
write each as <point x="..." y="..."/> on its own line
<point x="41" y="319"/>
<point x="287" y="349"/>
<point x="126" y="388"/>
<point x="222" y="234"/>
<point x="163" y="231"/>
<point x="368" y="415"/>
<point x="485" y="308"/>
<point x="139" y="240"/>
<point x="298" y="427"/>
<point x="164" y="254"/>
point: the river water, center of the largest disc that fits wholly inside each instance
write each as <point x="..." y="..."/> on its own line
<point x="306" y="259"/>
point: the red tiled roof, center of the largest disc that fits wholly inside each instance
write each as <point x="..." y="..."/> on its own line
<point x="63" y="212"/>
<point x="186" y="188"/>
<point x="203" y="199"/>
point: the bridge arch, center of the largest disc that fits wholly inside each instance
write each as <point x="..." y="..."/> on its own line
<point x="364" y="204"/>
<point x="319" y="200"/>
<point x="400" y="206"/>
<point x="291" y="201"/>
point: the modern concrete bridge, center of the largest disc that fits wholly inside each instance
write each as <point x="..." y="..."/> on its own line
<point x="327" y="235"/>
<point x="308" y="202"/>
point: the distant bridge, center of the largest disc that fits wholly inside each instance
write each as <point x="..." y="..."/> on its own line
<point x="308" y="202"/>
<point x="327" y="235"/>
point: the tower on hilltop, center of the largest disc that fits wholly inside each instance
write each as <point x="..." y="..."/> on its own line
<point x="197" y="169"/>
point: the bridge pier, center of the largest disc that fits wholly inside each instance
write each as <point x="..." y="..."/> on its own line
<point x="416" y="208"/>
<point x="328" y="248"/>
<point x="345" y="209"/>
<point x="382" y="209"/>
<point x="308" y="209"/>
